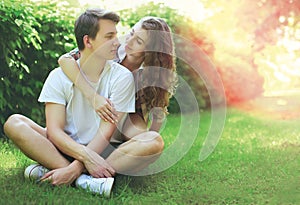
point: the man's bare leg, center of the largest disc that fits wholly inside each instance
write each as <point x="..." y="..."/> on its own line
<point x="32" y="141"/>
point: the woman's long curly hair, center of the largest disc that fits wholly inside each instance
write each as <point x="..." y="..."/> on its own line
<point x="158" y="79"/>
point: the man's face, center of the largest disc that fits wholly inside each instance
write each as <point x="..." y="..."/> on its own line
<point x="106" y="43"/>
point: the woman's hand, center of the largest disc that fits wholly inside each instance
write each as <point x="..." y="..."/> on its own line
<point x="104" y="108"/>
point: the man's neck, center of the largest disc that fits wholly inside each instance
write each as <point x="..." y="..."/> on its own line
<point x="92" y="66"/>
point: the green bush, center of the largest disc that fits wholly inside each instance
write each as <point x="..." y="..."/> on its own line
<point x="32" y="38"/>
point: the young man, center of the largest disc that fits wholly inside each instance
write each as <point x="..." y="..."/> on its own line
<point x="74" y="135"/>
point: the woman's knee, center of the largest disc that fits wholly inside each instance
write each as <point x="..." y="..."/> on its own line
<point x="157" y="142"/>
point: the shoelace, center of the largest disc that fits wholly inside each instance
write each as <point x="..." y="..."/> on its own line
<point x="41" y="171"/>
<point x="93" y="180"/>
<point x="40" y="174"/>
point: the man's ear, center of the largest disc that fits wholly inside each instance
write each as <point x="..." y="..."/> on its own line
<point x="86" y="41"/>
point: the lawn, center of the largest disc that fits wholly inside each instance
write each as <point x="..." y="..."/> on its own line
<point x="257" y="161"/>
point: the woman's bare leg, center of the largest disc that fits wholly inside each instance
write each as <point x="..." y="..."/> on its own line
<point x="141" y="148"/>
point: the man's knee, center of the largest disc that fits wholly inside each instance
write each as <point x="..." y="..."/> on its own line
<point x="12" y="123"/>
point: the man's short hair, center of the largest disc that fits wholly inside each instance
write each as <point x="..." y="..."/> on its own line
<point x="88" y="24"/>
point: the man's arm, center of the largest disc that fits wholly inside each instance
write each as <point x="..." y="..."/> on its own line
<point x="98" y="144"/>
<point x="55" y="121"/>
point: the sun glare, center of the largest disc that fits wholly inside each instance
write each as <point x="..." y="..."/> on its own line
<point x="278" y="63"/>
<point x="196" y="12"/>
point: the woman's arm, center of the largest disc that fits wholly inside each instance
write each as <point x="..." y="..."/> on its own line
<point x="71" y="69"/>
<point x="103" y="106"/>
<point x="158" y="118"/>
<point x="155" y="125"/>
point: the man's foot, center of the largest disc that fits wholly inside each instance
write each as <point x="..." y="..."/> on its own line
<point x="35" y="172"/>
<point x="102" y="186"/>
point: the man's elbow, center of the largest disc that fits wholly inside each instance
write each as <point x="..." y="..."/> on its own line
<point x="52" y="133"/>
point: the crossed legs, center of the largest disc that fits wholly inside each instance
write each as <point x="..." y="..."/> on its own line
<point x="132" y="156"/>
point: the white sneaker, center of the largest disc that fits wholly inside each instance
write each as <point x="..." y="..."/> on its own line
<point x="34" y="172"/>
<point x="102" y="186"/>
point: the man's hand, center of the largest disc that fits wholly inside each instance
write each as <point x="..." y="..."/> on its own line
<point x="61" y="176"/>
<point x="96" y="165"/>
<point x="104" y="108"/>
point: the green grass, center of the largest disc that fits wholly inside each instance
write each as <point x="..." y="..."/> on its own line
<point x="257" y="161"/>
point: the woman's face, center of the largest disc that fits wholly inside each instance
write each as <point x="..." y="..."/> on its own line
<point x="136" y="41"/>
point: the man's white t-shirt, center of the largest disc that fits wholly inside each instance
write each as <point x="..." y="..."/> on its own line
<point x="82" y="122"/>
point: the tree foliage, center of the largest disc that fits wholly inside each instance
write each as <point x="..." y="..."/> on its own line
<point x="32" y="37"/>
<point x="249" y="40"/>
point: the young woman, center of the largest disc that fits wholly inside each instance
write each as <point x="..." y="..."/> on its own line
<point x="149" y="54"/>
